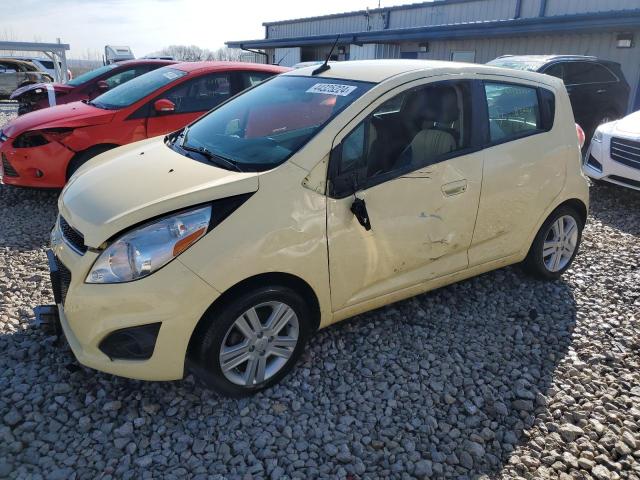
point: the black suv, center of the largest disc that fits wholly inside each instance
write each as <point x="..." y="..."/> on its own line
<point x="597" y="88"/>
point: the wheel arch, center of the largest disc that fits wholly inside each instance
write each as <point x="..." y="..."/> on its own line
<point x="100" y="147"/>
<point x="272" y="278"/>
<point x="576" y="204"/>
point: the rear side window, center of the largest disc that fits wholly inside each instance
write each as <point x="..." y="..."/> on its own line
<point x="253" y="78"/>
<point x="578" y="73"/>
<point x="517" y="111"/>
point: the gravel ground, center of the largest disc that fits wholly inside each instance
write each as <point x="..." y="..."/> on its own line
<point x="500" y="376"/>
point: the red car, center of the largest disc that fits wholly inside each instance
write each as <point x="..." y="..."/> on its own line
<point x="44" y="148"/>
<point x="84" y="87"/>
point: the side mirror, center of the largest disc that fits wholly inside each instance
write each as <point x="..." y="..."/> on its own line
<point x="164" y="105"/>
<point x="103" y="86"/>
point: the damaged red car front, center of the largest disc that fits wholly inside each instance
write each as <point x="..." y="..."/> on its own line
<point x="87" y="86"/>
<point x="29" y="144"/>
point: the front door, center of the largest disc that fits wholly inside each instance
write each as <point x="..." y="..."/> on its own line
<point x="192" y="98"/>
<point x="416" y="176"/>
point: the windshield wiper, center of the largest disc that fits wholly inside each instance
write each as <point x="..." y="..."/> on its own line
<point x="212" y="157"/>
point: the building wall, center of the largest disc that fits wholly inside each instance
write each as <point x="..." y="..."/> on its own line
<point x="438" y="14"/>
<point x="286" y="57"/>
<point x="564" y="7"/>
<point x="453" y="13"/>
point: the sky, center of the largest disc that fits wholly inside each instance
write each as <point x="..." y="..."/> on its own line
<point x="148" y="25"/>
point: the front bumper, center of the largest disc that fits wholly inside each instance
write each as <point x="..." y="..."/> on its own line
<point x="599" y="165"/>
<point x="173" y="296"/>
<point x="40" y="167"/>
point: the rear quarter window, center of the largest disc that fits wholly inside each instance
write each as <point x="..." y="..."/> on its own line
<point x="517" y="111"/>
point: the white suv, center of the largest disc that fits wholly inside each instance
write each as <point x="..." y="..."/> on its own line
<point x="614" y="153"/>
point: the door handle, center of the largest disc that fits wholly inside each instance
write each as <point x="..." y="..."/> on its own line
<point x="602" y="90"/>
<point x="454" y="188"/>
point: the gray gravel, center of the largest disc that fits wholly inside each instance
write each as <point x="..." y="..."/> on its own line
<point x="500" y="376"/>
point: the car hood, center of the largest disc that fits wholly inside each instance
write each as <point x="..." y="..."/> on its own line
<point x="629" y="124"/>
<point x="57" y="87"/>
<point x="74" y="115"/>
<point x="137" y="182"/>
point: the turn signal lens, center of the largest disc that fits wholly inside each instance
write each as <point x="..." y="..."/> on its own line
<point x="186" y="242"/>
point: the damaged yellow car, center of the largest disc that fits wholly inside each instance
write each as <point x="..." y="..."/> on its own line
<point x="317" y="195"/>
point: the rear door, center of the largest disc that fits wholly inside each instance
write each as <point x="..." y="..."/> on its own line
<point x="524" y="167"/>
<point x="590" y="87"/>
<point x="192" y="98"/>
<point x="403" y="192"/>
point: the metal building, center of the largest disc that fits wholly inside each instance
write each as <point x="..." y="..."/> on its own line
<point x="464" y="30"/>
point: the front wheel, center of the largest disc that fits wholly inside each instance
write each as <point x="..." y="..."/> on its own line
<point x="556" y="244"/>
<point x="255" y="340"/>
<point x="83" y="157"/>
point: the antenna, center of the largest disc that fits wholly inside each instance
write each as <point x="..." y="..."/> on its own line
<point x="325" y="66"/>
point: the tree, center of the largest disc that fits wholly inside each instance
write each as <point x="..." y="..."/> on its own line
<point x="194" y="53"/>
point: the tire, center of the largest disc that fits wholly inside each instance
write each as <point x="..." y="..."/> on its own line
<point x="551" y="267"/>
<point x="222" y="331"/>
<point x="83" y="157"/>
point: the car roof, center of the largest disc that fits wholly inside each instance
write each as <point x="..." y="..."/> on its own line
<point x="221" y="65"/>
<point x="25" y="58"/>
<point x="377" y="71"/>
<point x="145" y="61"/>
<point x="17" y="62"/>
<point x="548" y="58"/>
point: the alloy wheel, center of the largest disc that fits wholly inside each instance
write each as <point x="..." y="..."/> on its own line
<point x="259" y="343"/>
<point x="560" y="243"/>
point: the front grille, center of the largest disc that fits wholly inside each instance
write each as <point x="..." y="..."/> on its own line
<point x="73" y="237"/>
<point x="626" y="181"/>
<point x="626" y="152"/>
<point x="9" y="171"/>
<point x="65" y="280"/>
<point x="60" y="278"/>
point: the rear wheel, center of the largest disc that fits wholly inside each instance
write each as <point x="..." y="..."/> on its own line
<point x="83" y="157"/>
<point x="556" y="244"/>
<point x="255" y="340"/>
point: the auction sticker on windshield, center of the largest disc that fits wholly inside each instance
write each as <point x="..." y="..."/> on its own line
<point x="332" y="89"/>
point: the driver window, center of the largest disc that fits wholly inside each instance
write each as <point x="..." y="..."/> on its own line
<point x="200" y="94"/>
<point x="418" y="127"/>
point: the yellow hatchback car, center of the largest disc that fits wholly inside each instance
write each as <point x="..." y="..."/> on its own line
<point x="312" y="197"/>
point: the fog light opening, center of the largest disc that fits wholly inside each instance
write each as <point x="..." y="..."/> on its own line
<point x="135" y="343"/>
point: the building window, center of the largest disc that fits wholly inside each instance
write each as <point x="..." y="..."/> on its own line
<point x="468" y="56"/>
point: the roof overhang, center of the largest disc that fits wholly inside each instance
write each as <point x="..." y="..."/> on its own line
<point x="583" y="23"/>
<point x="34" y="46"/>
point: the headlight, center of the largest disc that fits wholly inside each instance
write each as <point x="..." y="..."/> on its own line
<point x="597" y="137"/>
<point x="144" y="250"/>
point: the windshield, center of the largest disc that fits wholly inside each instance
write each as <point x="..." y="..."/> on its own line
<point x="264" y="126"/>
<point x="136" y="89"/>
<point x="517" y="64"/>
<point x="85" y="77"/>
